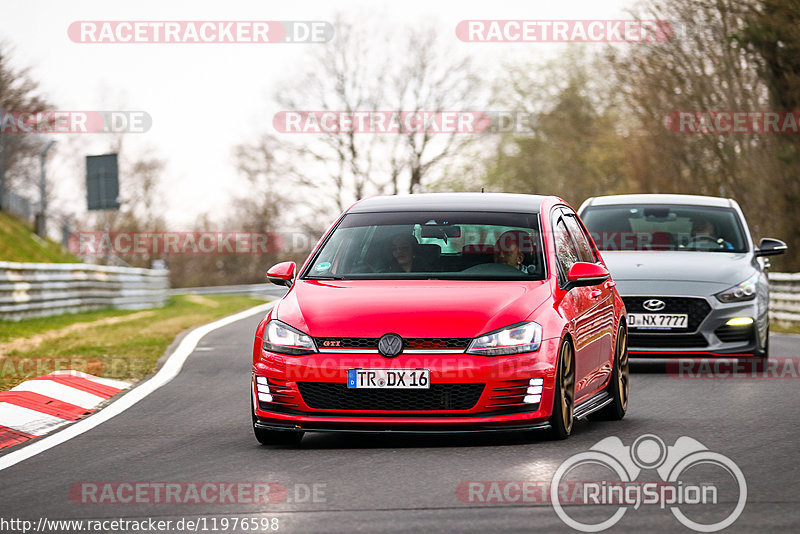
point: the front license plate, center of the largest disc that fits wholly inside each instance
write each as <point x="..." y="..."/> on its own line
<point x="388" y="378"/>
<point x="658" y="321"/>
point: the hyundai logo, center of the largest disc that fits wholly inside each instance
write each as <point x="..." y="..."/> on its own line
<point x="654" y="305"/>
<point x="390" y="345"/>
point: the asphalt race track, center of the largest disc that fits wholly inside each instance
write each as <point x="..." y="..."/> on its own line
<point x="197" y="429"/>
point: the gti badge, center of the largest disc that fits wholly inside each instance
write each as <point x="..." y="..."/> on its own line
<point x="654" y="305"/>
<point x="390" y="345"/>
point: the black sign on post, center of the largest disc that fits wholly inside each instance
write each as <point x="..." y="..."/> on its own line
<point x="102" y="182"/>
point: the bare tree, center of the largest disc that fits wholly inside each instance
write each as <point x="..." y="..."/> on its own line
<point x="705" y="68"/>
<point x="18" y="151"/>
<point x="368" y="68"/>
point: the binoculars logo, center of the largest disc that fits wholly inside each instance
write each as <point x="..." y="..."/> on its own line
<point x="648" y="452"/>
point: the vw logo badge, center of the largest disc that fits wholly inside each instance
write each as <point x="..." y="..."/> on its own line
<point x="390" y="345"/>
<point x="654" y="305"/>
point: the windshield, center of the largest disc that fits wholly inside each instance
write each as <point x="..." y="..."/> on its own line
<point x="665" y="227"/>
<point x="431" y="245"/>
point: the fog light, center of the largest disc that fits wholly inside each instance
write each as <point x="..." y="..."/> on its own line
<point x="537" y="381"/>
<point x="262" y="388"/>
<point x="740" y="321"/>
<point x="534" y="390"/>
<point x="264" y="397"/>
<point x="532" y="399"/>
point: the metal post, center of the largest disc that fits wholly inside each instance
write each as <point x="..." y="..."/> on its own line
<point x="41" y="227"/>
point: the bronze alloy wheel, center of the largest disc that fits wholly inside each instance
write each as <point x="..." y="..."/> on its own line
<point x="566" y="384"/>
<point x="623" y="368"/>
<point x="564" y="397"/>
<point x="619" y="384"/>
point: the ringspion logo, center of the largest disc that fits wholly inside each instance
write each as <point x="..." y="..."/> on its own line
<point x="674" y="465"/>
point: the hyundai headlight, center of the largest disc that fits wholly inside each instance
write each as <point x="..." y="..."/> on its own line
<point x="740" y="292"/>
<point x="514" y="339"/>
<point x="281" y="338"/>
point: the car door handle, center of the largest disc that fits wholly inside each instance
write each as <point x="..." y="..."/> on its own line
<point x="609" y="284"/>
<point x="595" y="293"/>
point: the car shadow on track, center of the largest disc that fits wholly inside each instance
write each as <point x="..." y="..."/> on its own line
<point x="654" y="366"/>
<point x="400" y="440"/>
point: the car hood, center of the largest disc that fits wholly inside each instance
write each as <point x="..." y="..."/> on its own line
<point x="410" y="308"/>
<point x="722" y="268"/>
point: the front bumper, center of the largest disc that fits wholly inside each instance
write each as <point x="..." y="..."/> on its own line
<point x="712" y="337"/>
<point x="501" y="381"/>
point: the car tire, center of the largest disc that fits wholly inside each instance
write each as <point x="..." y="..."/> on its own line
<point x="761" y="356"/>
<point x="562" y="419"/>
<point x="274" y="437"/>
<point x="764" y="353"/>
<point x="619" y="385"/>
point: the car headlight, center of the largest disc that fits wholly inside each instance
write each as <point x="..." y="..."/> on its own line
<point x="281" y="338"/>
<point x="514" y="339"/>
<point x="740" y="292"/>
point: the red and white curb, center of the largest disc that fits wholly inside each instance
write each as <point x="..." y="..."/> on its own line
<point x="45" y="403"/>
<point x="168" y="371"/>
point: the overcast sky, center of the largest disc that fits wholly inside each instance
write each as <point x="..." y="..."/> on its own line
<point x="205" y="98"/>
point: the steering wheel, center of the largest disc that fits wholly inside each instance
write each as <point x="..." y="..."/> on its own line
<point x="704" y="238"/>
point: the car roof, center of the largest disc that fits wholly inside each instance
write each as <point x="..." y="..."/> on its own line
<point x="687" y="200"/>
<point x="502" y="202"/>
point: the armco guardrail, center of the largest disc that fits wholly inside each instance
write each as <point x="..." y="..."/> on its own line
<point x="41" y="289"/>
<point x="784" y="297"/>
<point x="254" y="290"/>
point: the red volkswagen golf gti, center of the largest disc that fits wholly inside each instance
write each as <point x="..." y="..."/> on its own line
<point x="451" y="312"/>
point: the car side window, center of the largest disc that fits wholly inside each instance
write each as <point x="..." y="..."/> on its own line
<point x="585" y="252"/>
<point x="566" y="251"/>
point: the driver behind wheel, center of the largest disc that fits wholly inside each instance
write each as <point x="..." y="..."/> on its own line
<point x="705" y="235"/>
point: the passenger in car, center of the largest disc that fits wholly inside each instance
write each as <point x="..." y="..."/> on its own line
<point x="405" y="255"/>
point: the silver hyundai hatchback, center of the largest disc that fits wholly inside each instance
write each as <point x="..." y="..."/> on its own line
<point x="692" y="280"/>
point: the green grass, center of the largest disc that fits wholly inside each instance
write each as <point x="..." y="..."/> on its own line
<point x="126" y="350"/>
<point x="784" y="328"/>
<point x="19" y="243"/>
<point x="38" y="325"/>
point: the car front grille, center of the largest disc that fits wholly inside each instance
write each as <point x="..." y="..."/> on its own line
<point x="411" y="343"/>
<point x="666" y="341"/>
<point x="696" y="308"/>
<point x="336" y="396"/>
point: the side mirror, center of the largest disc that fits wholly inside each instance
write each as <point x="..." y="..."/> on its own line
<point x="282" y="274"/>
<point x="771" y="247"/>
<point x="586" y="274"/>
